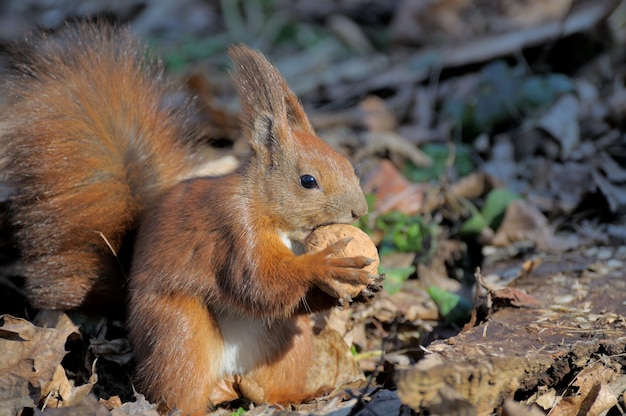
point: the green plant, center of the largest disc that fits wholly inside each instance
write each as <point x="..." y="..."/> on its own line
<point x="405" y="233"/>
<point x="453" y="308"/>
<point x="491" y="214"/>
<point x="439" y="153"/>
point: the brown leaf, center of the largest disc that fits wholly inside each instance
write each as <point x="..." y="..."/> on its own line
<point x="510" y="296"/>
<point x="531" y="13"/>
<point x="30" y="352"/>
<point x="376" y="115"/>
<point x="594" y="396"/>
<point x="333" y="362"/>
<point x="470" y="186"/>
<point x="29" y="355"/>
<point x="140" y="407"/>
<point x="524" y="222"/>
<point x="393" y="191"/>
<point x="112" y="402"/>
<point x="88" y="406"/>
<point x="59" y="392"/>
<point x="394" y="144"/>
<point x="417" y="21"/>
<point x="561" y="122"/>
<point x="513" y="408"/>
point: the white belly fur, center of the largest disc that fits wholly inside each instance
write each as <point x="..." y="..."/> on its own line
<point x="247" y="342"/>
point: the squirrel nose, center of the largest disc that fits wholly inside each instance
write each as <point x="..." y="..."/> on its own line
<point x="360" y="208"/>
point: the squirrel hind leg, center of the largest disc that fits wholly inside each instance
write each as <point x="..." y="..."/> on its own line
<point x="179" y="351"/>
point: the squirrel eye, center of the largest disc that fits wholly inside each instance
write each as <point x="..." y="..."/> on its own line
<point x="308" y="182"/>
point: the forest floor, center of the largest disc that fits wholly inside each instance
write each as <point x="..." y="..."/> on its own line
<point x="489" y="137"/>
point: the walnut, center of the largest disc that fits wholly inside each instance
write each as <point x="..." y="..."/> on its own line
<point x="360" y="245"/>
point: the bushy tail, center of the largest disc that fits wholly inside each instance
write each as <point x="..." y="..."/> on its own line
<point x="88" y="142"/>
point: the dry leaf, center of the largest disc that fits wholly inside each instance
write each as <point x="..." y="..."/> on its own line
<point x="614" y="194"/>
<point x="547" y="399"/>
<point x="532" y="12"/>
<point x="561" y="122"/>
<point x="510" y="296"/>
<point x="333" y="363"/>
<point x="524" y="222"/>
<point x="140" y="406"/>
<point x="594" y="396"/>
<point x="116" y="350"/>
<point x="376" y="116"/>
<point x="513" y="408"/>
<point x="418" y="21"/>
<point x="393" y="191"/>
<point x="29" y="357"/>
<point x="57" y="391"/>
<point x="88" y="406"/>
<point x="470" y="186"/>
<point x="112" y="402"/>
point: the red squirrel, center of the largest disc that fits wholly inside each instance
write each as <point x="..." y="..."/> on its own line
<point x="219" y="304"/>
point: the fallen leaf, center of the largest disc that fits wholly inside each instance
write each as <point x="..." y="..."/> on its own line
<point x="548" y="399"/>
<point x="615" y="195"/>
<point x="593" y="395"/>
<point x="59" y="392"/>
<point x="394" y="144"/>
<point x="376" y="115"/>
<point x="568" y="183"/>
<point x="333" y="363"/>
<point x="116" y="350"/>
<point x="513" y="408"/>
<point x="470" y="186"/>
<point x="88" y="406"/>
<point x="112" y="402"/>
<point x="524" y="222"/>
<point x="531" y="13"/>
<point x="140" y="406"/>
<point x="501" y="165"/>
<point x="561" y="122"/>
<point x="393" y="191"/>
<point x="29" y="356"/>
<point x="510" y="296"/>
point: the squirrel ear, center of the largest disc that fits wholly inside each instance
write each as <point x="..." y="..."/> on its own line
<point x="270" y="108"/>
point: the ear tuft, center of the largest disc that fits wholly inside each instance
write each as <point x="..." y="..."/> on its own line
<point x="264" y="93"/>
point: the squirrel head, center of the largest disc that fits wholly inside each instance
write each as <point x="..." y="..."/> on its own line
<point x="300" y="180"/>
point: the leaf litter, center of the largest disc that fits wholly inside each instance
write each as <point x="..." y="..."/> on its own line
<point x="493" y="304"/>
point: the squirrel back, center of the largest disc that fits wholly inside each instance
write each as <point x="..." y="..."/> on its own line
<point x="88" y="143"/>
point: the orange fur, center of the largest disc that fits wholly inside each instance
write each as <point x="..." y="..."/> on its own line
<point x="87" y="144"/>
<point x="219" y="303"/>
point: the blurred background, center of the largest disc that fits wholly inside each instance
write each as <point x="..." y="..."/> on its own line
<point x="485" y="132"/>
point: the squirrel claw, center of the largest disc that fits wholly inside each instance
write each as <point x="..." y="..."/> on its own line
<point x="376" y="282"/>
<point x="374" y="285"/>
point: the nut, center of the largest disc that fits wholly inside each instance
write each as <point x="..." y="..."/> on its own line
<point x="360" y="245"/>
